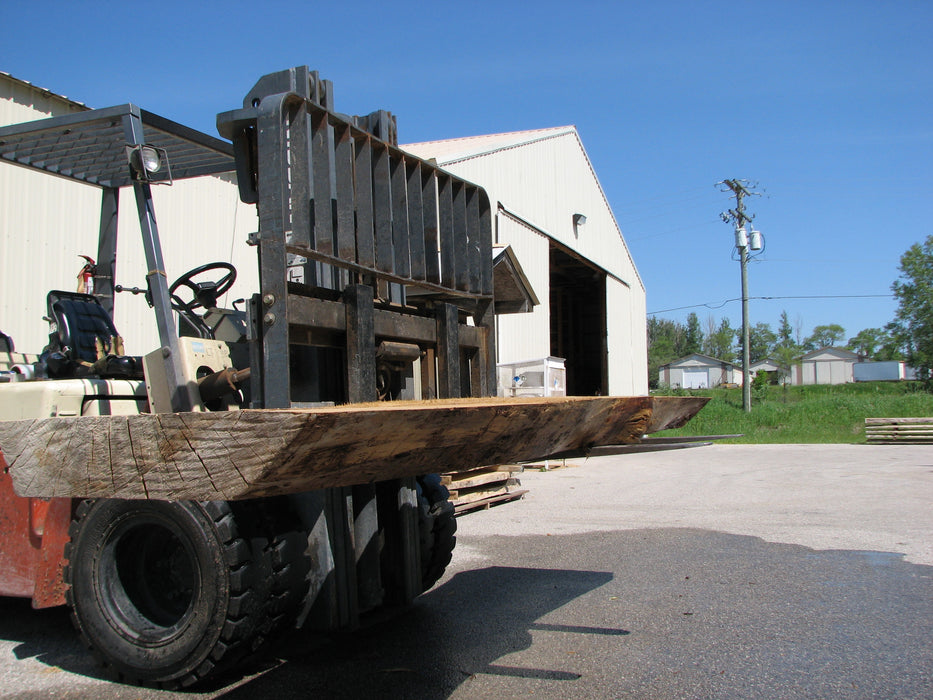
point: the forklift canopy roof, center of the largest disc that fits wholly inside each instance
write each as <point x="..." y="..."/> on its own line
<point x="90" y="146"/>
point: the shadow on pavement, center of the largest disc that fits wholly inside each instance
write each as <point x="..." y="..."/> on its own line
<point x="453" y="632"/>
<point x="660" y="613"/>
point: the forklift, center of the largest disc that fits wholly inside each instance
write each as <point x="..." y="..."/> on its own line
<point x="375" y="284"/>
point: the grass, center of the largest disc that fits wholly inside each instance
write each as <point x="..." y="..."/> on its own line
<point x="804" y="414"/>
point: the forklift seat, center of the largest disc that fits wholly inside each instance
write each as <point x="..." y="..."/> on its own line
<point x="79" y="324"/>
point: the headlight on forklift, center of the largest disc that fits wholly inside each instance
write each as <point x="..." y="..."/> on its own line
<point x="146" y="161"/>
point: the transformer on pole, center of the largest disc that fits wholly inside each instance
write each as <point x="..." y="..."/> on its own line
<point x="745" y="240"/>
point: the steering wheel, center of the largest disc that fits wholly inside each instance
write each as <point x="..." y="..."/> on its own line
<point x="203" y="294"/>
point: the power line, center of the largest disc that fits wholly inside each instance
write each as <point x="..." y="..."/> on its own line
<point x="668" y="232"/>
<point x="719" y="305"/>
<point x="695" y="193"/>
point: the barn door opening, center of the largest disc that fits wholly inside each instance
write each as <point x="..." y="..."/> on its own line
<point x="578" y="322"/>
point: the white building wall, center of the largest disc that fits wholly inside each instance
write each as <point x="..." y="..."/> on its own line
<point x="546" y="182"/>
<point x="45" y="223"/>
<point x="21" y="102"/>
<point x="700" y="373"/>
<point x="526" y="336"/>
<point x="628" y="370"/>
<point x="200" y="221"/>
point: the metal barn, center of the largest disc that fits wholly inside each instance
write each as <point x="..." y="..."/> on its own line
<point x="551" y="209"/>
<point x="698" y="371"/>
<point x="825" y="366"/>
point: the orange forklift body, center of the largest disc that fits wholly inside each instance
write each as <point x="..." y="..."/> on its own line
<point x="35" y="531"/>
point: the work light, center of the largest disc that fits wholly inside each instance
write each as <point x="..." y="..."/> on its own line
<point x="146" y="161"/>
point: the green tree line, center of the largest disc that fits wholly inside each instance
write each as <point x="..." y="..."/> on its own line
<point x="909" y="336"/>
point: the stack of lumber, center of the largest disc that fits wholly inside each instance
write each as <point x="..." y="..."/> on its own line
<point x="899" y="431"/>
<point x="481" y="488"/>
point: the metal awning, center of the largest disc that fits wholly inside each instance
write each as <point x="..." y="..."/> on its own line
<point x="513" y="292"/>
<point x="90" y="146"/>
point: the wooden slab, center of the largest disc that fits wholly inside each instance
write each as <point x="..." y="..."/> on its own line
<point x="250" y="453"/>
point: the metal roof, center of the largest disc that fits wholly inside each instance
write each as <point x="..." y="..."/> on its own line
<point x="42" y="91"/>
<point x="449" y="151"/>
<point x="90" y="146"/>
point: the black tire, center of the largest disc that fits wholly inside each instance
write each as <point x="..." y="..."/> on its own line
<point x="164" y="593"/>
<point x="278" y="533"/>
<point x="438" y="527"/>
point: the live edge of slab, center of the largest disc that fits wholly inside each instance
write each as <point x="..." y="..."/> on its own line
<point x="230" y="455"/>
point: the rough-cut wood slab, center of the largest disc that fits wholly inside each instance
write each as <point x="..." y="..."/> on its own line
<point x="250" y="453"/>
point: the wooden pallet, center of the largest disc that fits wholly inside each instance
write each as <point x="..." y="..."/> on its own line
<point x="880" y="431"/>
<point x="481" y="488"/>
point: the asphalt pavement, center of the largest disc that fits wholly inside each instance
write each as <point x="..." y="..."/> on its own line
<point x="730" y="571"/>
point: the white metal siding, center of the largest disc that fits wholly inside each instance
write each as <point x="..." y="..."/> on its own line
<point x="828" y="370"/>
<point x="695" y="379"/>
<point x="20" y="102"/>
<point x="200" y="221"/>
<point x="522" y="337"/>
<point x="545" y="183"/>
<point x="46" y="222"/>
<point x="628" y="348"/>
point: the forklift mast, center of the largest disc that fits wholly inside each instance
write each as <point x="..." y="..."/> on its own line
<point x="363" y="249"/>
<point x="375" y="282"/>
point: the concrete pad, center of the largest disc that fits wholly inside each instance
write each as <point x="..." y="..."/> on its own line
<point x="856" y="497"/>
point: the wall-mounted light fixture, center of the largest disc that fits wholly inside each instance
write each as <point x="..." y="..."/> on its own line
<point x="578" y="221"/>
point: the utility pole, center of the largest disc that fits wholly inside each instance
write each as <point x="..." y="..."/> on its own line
<point x="739" y="218"/>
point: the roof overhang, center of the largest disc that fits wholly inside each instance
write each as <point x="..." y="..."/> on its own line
<point x="512" y="293"/>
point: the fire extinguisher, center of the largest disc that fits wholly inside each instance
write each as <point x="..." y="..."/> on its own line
<point x="86" y="276"/>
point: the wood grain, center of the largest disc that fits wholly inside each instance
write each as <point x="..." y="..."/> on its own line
<point x="250" y="453"/>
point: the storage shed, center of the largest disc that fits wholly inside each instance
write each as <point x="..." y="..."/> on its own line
<point x="828" y="365"/>
<point x="551" y="209"/>
<point x="774" y="369"/>
<point x="698" y="371"/>
<point x="887" y="371"/>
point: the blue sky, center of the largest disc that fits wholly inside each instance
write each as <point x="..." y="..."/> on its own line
<point x="827" y="106"/>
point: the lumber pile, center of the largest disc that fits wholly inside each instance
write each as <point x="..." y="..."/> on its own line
<point x="880" y="431"/>
<point x="481" y="488"/>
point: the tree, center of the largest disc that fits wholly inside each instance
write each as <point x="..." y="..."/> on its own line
<point x="693" y="338"/>
<point x="721" y="343"/>
<point x="867" y="342"/>
<point x="825" y="336"/>
<point x="893" y="343"/>
<point x="785" y="332"/>
<point x="665" y="343"/>
<point x="914" y="316"/>
<point x="761" y="341"/>
<point x="785" y="355"/>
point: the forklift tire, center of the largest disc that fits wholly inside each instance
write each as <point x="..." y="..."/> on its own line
<point x="438" y="526"/>
<point x="164" y="593"/>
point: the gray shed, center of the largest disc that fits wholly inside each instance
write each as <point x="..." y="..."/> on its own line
<point x="825" y="366"/>
<point x="698" y="371"/>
